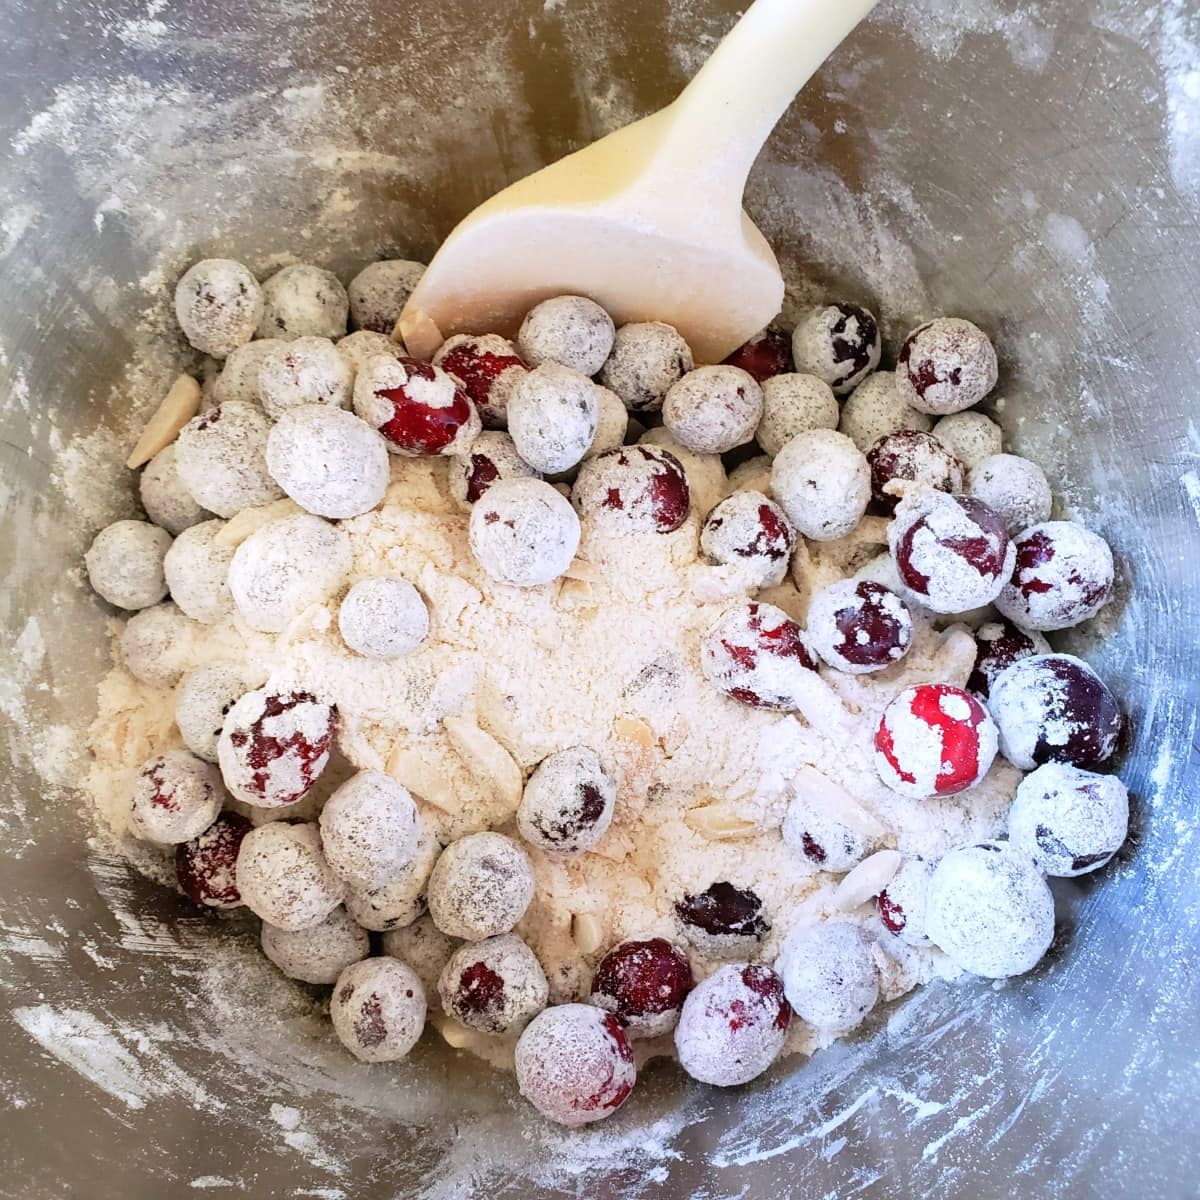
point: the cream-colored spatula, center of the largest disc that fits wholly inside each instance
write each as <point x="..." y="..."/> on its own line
<point x="647" y="221"/>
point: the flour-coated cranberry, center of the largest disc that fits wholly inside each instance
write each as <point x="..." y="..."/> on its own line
<point x="1063" y="576"/>
<point x="767" y="353"/>
<point x="488" y="367"/>
<point x="496" y="986"/>
<point x="752" y="533"/>
<point x="999" y="644"/>
<point x="829" y="975"/>
<point x="840" y="343"/>
<point x="858" y="626"/>
<point x="206" y="867"/>
<point x="909" y="454"/>
<point x="492" y="457"/>
<point x="945" y="366"/>
<point x="632" y="489"/>
<point x="417" y="407"/>
<point x="568" y="802"/>
<point x="644" y="981"/>
<point x="378" y="1009"/>
<point x="901" y="904"/>
<point x="756" y="654"/>
<point x="934" y="740"/>
<point x="175" y="797"/>
<point x="722" y="921"/>
<point x="218" y="304"/>
<point x="647" y="357"/>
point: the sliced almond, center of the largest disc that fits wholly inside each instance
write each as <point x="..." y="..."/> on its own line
<point x="635" y="731"/>
<point x="580" y="568"/>
<point x="179" y="406"/>
<point x="820" y="790"/>
<point x="453" y="1034"/>
<point x="406" y="766"/>
<point x="720" y="823"/>
<point x="587" y="933"/>
<point x="250" y="520"/>
<point x="867" y="880"/>
<point x="487" y="760"/>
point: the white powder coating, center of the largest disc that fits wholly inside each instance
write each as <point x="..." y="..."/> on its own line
<point x="925" y="539"/>
<point x="203" y="699"/>
<point x="492" y="456"/>
<point x="1013" y="487"/>
<point x="400" y="901"/>
<point x="285" y="566"/>
<point x="221" y="457"/>
<point x="238" y="379"/>
<point x="829" y="975"/>
<point x="157" y="645"/>
<point x="303" y="301"/>
<point x="480" y="886"/>
<point x="574" y="1064"/>
<point x="369" y="830"/>
<point x="838" y="343"/>
<point x="125" y="564"/>
<point x="814" y="830"/>
<point x="751" y="535"/>
<point x="568" y="802"/>
<point x="472" y="358"/>
<point x="911" y="456"/>
<point x="320" y="953"/>
<point x="1014" y="644"/>
<point x="383" y="618"/>
<point x="754" y="475"/>
<point x="424" y="947"/>
<point x="755" y="653"/>
<point x="647" y="358"/>
<point x="378" y="1009"/>
<point x="1069" y="821"/>
<point x="472" y="998"/>
<point x="571" y="330"/>
<point x="713" y="409"/>
<point x="1064" y="575"/>
<point x="553" y="413"/>
<point x="218" y="304"/>
<point x="921" y="753"/>
<point x="166" y="500"/>
<point x="523" y="532"/>
<point x="283" y="876"/>
<point x="903" y="901"/>
<point x="379" y="292"/>
<point x="632" y="490"/>
<point x="357" y="347"/>
<point x="969" y="436"/>
<point x="197" y="572"/>
<point x="705" y="473"/>
<point x="733" y="1025"/>
<point x="612" y="422"/>
<point x="823" y="483"/>
<point x="878" y="619"/>
<point x="990" y="910"/>
<point x="309" y="370"/>
<point x="946" y="366"/>
<point x="876" y="408"/>
<point x="794" y="403"/>
<point x="332" y="463"/>
<point x="175" y="798"/>
<point x="295" y="730"/>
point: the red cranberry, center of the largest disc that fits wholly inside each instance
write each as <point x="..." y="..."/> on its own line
<point x="722" y="919"/>
<point x="488" y="367"/>
<point x="1054" y="708"/>
<point x="1063" y="575"/>
<point x="418" y="408"/>
<point x="946" y="366"/>
<point x="934" y="739"/>
<point x="912" y="455"/>
<point x="496" y="986"/>
<point x="754" y="654"/>
<point x="953" y="552"/>
<point x="274" y="745"/>
<point x="999" y="645"/>
<point x="859" y="626"/>
<point x="753" y="533"/>
<point x="890" y="913"/>
<point x="206" y="866"/>
<point x="633" y="489"/>
<point x="644" y="981"/>
<point x="767" y="353"/>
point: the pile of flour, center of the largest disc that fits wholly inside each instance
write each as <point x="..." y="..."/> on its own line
<point x="607" y="657"/>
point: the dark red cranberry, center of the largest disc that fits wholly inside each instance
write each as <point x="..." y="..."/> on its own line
<point x="644" y="981"/>
<point x="478" y="369"/>
<point x="419" y="427"/>
<point x="765" y="354"/>
<point x="633" y="489"/>
<point x="257" y="752"/>
<point x="912" y="455"/>
<point x="859" y="625"/>
<point x="206" y="866"/>
<point x="736" y="652"/>
<point x="856" y="346"/>
<point x="890" y="913"/>
<point x="764" y="982"/>
<point x="481" y="474"/>
<point x="999" y="644"/>
<point x="723" y="911"/>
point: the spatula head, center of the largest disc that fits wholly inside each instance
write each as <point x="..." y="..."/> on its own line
<point x="605" y="223"/>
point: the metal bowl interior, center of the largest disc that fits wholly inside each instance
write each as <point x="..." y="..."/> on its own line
<point x="1035" y="170"/>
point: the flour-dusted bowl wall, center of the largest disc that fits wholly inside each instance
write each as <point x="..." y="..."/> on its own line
<point x="1036" y="170"/>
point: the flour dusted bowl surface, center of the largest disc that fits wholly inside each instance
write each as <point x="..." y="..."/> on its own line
<point x="1033" y="171"/>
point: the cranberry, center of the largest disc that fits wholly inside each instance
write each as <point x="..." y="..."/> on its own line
<point x="496" y="986"/>
<point x="632" y="489"/>
<point x="205" y="866"/>
<point x="274" y="745"/>
<point x="751" y="532"/>
<point x="838" y="343"/>
<point x="1054" y="708"/>
<point x="756" y="654"/>
<point x="644" y="981"/>
<point x="767" y="353"/>
<point x="488" y="368"/>
<point x="1063" y="575"/>
<point x="953" y="552"/>
<point x="568" y="802"/>
<point x="934" y="739"/>
<point x="418" y="408"/>
<point x="901" y="905"/>
<point x="946" y="366"/>
<point x="859" y="626"/>
<point x="722" y="918"/>
<point x="911" y="455"/>
<point x="999" y="645"/>
<point x="890" y="913"/>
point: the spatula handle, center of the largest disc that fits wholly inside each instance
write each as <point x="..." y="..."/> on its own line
<point x="722" y="118"/>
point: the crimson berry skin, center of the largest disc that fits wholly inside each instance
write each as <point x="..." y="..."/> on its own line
<point x="206" y="866"/>
<point x="645" y="982"/>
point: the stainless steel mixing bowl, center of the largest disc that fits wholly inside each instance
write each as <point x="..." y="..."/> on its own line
<point x="1033" y="166"/>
